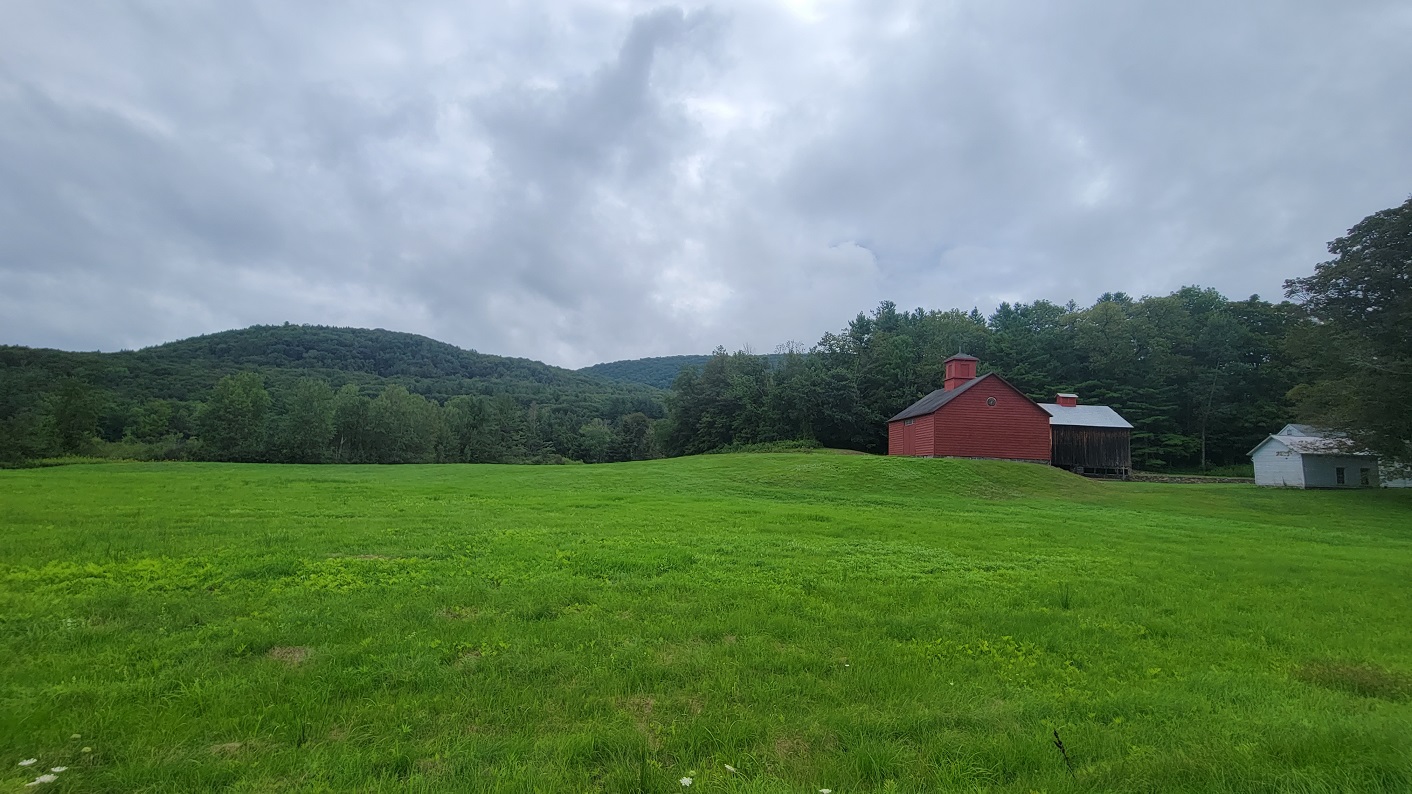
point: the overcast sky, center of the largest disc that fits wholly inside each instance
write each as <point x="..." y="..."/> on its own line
<point x="584" y="182"/>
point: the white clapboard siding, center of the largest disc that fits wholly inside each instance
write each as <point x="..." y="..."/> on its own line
<point x="1277" y="465"/>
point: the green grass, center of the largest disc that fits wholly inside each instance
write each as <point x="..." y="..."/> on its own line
<point x="1246" y="470"/>
<point x="816" y="621"/>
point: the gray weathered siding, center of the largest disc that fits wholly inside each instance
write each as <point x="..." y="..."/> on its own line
<point x="1092" y="447"/>
<point x="1319" y="471"/>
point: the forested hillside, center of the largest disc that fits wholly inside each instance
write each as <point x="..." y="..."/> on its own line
<point x="400" y="397"/>
<point x="659" y="372"/>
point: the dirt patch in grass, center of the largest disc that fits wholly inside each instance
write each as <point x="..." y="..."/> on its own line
<point x="226" y="749"/>
<point x="459" y="613"/>
<point x="790" y="746"/>
<point x="1356" y="678"/>
<point x="292" y="655"/>
<point x="431" y="766"/>
<point x="639" y="708"/>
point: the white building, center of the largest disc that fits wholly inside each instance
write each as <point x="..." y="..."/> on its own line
<point x="1301" y="456"/>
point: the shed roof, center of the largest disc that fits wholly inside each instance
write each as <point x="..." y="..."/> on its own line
<point x="1084" y="416"/>
<point x="1310" y="440"/>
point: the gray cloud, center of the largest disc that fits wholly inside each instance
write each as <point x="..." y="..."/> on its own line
<point x="585" y="182"/>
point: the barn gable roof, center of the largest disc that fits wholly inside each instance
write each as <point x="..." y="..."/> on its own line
<point x="1084" y="416"/>
<point x="933" y="402"/>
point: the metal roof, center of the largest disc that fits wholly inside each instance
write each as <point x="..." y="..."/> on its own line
<point x="1310" y="440"/>
<point x="1084" y="416"/>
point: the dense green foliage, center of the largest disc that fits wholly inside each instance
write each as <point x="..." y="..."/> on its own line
<point x="1358" y="349"/>
<point x="815" y="621"/>
<point x="658" y="372"/>
<point x="1201" y="378"/>
<point x="312" y="394"/>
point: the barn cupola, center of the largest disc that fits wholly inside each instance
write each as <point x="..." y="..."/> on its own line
<point x="959" y="369"/>
<point x="1066" y="400"/>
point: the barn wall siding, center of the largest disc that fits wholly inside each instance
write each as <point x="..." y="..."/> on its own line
<point x="926" y="435"/>
<point x="1012" y="429"/>
<point x="1092" y="447"/>
<point x="911" y="440"/>
<point x="1277" y="466"/>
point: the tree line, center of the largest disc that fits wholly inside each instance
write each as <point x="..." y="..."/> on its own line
<point x="307" y="421"/>
<point x="1202" y="378"/>
<point x="267" y="393"/>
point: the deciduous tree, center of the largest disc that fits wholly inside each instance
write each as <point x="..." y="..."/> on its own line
<point x="1357" y="345"/>
<point x="233" y="423"/>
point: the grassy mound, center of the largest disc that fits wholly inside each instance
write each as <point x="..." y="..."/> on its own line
<point x="814" y="621"/>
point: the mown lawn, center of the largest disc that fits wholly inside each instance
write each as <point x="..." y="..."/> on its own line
<point x="815" y="621"/>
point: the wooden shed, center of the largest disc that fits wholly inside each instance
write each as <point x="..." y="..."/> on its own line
<point x="971" y="417"/>
<point x="1302" y="456"/>
<point x="1092" y="440"/>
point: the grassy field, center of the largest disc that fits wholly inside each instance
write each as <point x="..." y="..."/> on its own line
<point x="814" y="621"/>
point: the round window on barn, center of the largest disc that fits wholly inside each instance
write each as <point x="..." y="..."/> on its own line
<point x="990" y="401"/>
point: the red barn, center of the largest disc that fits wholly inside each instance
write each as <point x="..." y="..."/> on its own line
<point x="972" y="417"/>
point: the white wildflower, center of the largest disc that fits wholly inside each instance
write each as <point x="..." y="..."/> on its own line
<point x="42" y="779"/>
<point x="29" y="762"/>
<point x="686" y="781"/>
<point x="730" y="768"/>
<point x="58" y="769"/>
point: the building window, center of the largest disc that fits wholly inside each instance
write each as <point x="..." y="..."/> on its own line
<point x="908" y="421"/>
<point x="1338" y="475"/>
<point x="1365" y="477"/>
<point x="990" y="401"/>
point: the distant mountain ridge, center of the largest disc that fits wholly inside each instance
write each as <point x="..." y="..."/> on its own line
<point x="658" y="371"/>
<point x="376" y="352"/>
<point x="187" y="370"/>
